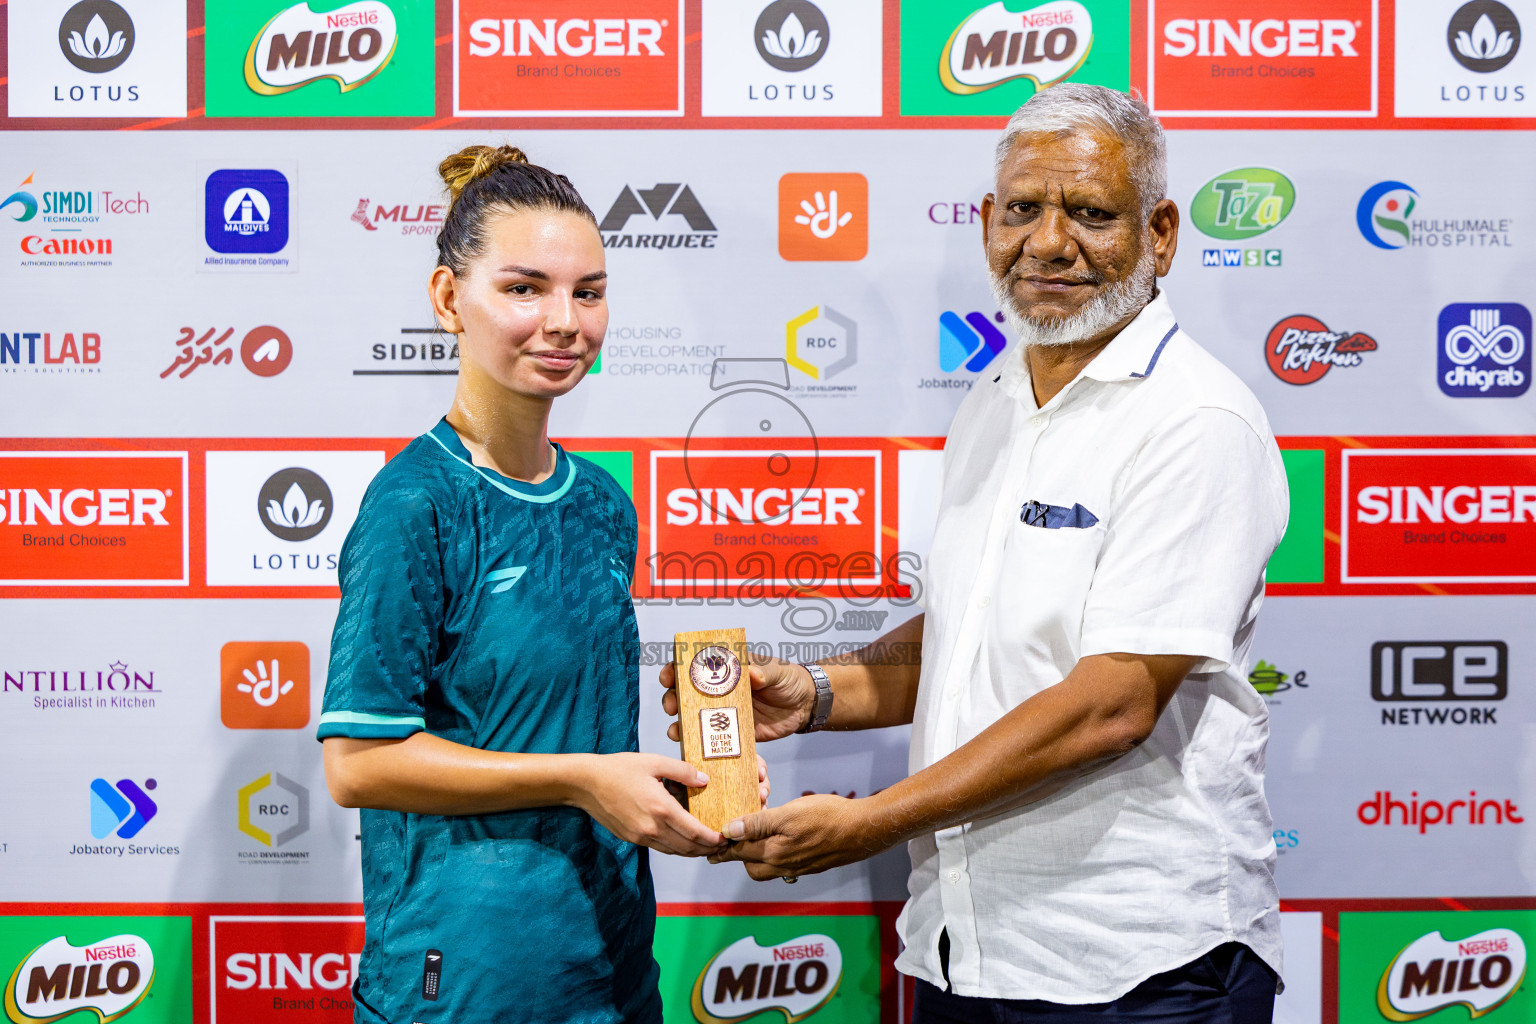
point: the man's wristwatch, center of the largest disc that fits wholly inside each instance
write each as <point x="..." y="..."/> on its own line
<point x="822" y="709"/>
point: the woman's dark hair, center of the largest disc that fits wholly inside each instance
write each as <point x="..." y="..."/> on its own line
<point x="483" y="181"/>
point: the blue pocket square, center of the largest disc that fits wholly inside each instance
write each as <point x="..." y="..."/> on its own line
<point x="1055" y="517"/>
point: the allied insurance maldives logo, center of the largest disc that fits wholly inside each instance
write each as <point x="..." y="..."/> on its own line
<point x="93" y="518"/>
<point x="554" y="58"/>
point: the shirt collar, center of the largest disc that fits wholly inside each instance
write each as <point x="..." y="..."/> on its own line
<point x="1134" y="352"/>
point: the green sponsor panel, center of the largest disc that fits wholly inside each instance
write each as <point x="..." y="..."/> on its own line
<point x="765" y="970"/>
<point x="1242" y="203"/>
<point x="620" y="465"/>
<point x="322" y="67"/>
<point x="1299" y="558"/>
<point x="1441" y="967"/>
<point x="59" y="965"/>
<point x="1006" y="50"/>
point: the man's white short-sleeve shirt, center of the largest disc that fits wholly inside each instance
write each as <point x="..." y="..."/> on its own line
<point x="1134" y="513"/>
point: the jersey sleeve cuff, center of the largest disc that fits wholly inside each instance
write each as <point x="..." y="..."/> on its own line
<point x="361" y="725"/>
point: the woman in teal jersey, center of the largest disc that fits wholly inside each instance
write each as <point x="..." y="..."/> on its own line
<point x="482" y="702"/>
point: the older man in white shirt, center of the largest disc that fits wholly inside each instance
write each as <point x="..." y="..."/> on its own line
<point x="1085" y="815"/>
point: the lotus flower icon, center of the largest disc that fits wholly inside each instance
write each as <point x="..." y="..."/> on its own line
<point x="296" y="511"/>
<point x="791" y="35"/>
<point x="295" y="504"/>
<point x="98" y="43"/>
<point x="792" y="41"/>
<point x="1485" y="42"/>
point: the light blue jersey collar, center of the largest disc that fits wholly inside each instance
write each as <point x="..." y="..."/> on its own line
<point x="551" y="489"/>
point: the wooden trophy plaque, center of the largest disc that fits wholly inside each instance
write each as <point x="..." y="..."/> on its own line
<point x="714" y="711"/>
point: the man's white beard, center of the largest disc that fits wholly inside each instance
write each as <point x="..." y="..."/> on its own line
<point x="1115" y="304"/>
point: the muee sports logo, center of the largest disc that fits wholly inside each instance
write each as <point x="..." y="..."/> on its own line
<point x="1290" y="57"/>
<point x="1479" y="972"/>
<point x="1452" y="515"/>
<point x="554" y="57"/>
<point x="736" y="522"/>
<point x="349" y="45"/>
<point x="101" y="518"/>
<point x="993" y="45"/>
<point x="301" y="965"/>
<point x="796" y="978"/>
<point x="57" y="979"/>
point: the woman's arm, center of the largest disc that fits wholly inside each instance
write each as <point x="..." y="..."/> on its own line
<point x="426" y="774"/>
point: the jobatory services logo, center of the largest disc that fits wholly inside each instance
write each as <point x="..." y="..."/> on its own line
<point x="1300" y="349"/>
<point x="823" y="216"/>
<point x="97" y="58"/>
<point x="673" y="200"/>
<point x="1438" y="515"/>
<point x="958" y="58"/>
<point x="1444" y="674"/>
<point x="310" y="961"/>
<point x="273" y="810"/>
<point x="122" y="809"/>
<point x="265" y="351"/>
<point x="317" y="58"/>
<point x="971" y="342"/>
<point x="552" y="58"/>
<point x="72" y="518"/>
<point x="264" y="684"/>
<point x="1385" y="218"/>
<point x="135" y="969"/>
<point x="821" y="343"/>
<point x="792" y="58"/>
<point x="1485" y="350"/>
<point x="113" y="688"/>
<point x="1291" y="58"/>
<point x="96" y="36"/>
<point x="795" y="977"/>
<point x="50" y="352"/>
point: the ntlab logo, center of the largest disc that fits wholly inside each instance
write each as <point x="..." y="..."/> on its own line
<point x="1243" y="204"/>
<point x="970" y="343"/>
<point x="258" y="959"/>
<point x="264" y="685"/>
<point x="823" y="216"/>
<point x="670" y="199"/>
<point x="795" y="977"/>
<point x="1288" y="58"/>
<point x="122" y="809"/>
<point x="1301" y="349"/>
<point x="108" y="978"/>
<point x="1479" y="972"/>
<point x="1485" y="350"/>
<point x="821" y="342"/>
<point x="246" y="211"/>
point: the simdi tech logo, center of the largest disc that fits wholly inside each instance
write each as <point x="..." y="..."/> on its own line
<point x="1409" y="965"/>
<point x="1285" y="58"/>
<point x="97" y="58"/>
<point x="137" y="969"/>
<point x="1484" y="350"/>
<point x="64" y="226"/>
<point x="823" y="216"/>
<point x="319" y="58"/>
<point x="961" y="58"/>
<point x="555" y="58"/>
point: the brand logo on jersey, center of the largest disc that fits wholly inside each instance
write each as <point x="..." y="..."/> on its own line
<point x="349" y="45"/>
<point x="273" y="809"/>
<point x="295" y="504"/>
<point x="1483" y="36"/>
<point x="96" y="36"/>
<point x="258" y="959"/>
<point x="744" y="979"/>
<point x="1485" y="350"/>
<point x="994" y="45"/>
<point x="668" y="199"/>
<point x="505" y="579"/>
<point x="1242" y="204"/>
<point x="1479" y="972"/>
<point x="58" y="979"/>
<point x="123" y="809"/>
<point x="1301" y="349"/>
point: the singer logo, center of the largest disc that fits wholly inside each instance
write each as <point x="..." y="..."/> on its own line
<point x="779" y="517"/>
<point x="1293" y="58"/>
<point x="97" y="518"/>
<point x="1450" y="515"/>
<point x="58" y="979"/>
<point x="1479" y="972"/>
<point x="795" y="977"/>
<point x="553" y="58"/>
<point x="309" y="963"/>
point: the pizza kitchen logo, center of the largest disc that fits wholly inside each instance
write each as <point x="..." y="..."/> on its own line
<point x="1433" y="973"/>
<point x="349" y="45"/>
<point x="1300" y="349"/>
<point x="796" y="977"/>
<point x="993" y="45"/>
<point x="57" y="979"/>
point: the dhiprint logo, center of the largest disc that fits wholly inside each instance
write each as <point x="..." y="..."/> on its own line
<point x="59" y="979"/>
<point x="264" y="684"/>
<point x="1423" y="978"/>
<point x="246" y="211"/>
<point x="1386" y="205"/>
<point x="1485" y="350"/>
<point x="349" y="45"/>
<point x="970" y="343"/>
<point x="821" y="342"/>
<point x="823" y="216"/>
<point x="1423" y="815"/>
<point x="667" y="199"/>
<point x="1483" y="36"/>
<point x="791" y="35"/>
<point x="294" y="504"/>
<point x="123" y="809"/>
<point x="1300" y="349"/>
<point x="1242" y="204"/>
<point x="274" y="811"/>
<point x="1045" y="44"/>
<point x="96" y="36"/>
<point x="744" y="979"/>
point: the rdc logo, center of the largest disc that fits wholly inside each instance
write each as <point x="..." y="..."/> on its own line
<point x="1485" y="350"/>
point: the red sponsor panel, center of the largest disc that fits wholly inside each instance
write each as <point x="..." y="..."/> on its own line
<point x="545" y="58"/>
<point x="782" y="518"/>
<point x="1262" y="58"/>
<point x="282" y="969"/>
<point x="1439" y="515"/>
<point x="94" y="518"/>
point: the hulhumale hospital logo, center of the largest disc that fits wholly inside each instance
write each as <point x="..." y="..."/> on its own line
<point x="96" y="36"/>
<point x="246" y="211"/>
<point x="1385" y="217"/>
<point x="1483" y="36"/>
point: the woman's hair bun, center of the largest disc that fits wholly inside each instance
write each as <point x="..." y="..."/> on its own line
<point x="473" y="162"/>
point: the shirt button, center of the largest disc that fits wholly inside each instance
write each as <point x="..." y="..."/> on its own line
<point x="984" y="602"/>
<point x="1035" y="421"/>
<point x="954" y="877"/>
<point x="954" y="693"/>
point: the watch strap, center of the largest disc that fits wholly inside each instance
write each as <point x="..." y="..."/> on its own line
<point x="822" y="710"/>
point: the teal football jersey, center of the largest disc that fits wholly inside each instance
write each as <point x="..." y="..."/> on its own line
<point x="496" y="614"/>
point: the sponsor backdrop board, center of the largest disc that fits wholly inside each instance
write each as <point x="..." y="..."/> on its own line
<point x="216" y="225"/>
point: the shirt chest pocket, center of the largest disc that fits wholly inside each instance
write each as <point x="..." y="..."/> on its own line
<point x="1049" y="555"/>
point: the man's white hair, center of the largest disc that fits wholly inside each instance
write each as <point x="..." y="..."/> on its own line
<point x="1072" y="107"/>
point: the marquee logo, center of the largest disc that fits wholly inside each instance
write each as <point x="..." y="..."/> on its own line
<point x="1243" y="204"/>
<point x="744" y="979"/>
<point x="1432" y="972"/>
<point x="1044" y="44"/>
<point x="1485" y="350"/>
<point x="1483" y="36"/>
<point x="667" y="199"/>
<point x="123" y="809"/>
<point x="58" y="979"/>
<point x="258" y="959"/>
<point x="1300" y="349"/>
<point x="349" y="45"/>
<point x="96" y="36"/>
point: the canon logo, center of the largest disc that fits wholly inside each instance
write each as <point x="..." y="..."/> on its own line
<point x="1464" y="504"/>
<point x="1271" y="37"/>
<point x="773" y="506"/>
<point x="574" y="37"/>
<point x="330" y="971"/>
<point x="84" y="506"/>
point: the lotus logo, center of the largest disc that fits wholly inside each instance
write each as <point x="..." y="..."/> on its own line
<point x="1479" y="972"/>
<point x="294" y="504"/>
<point x="59" y="979"/>
<point x="791" y="35"/>
<point x="1483" y="36"/>
<point x="96" y="36"/>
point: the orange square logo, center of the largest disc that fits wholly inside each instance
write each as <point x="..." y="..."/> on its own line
<point x="823" y="216"/>
<point x="264" y="685"/>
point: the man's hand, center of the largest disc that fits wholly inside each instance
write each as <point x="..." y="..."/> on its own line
<point x="804" y="836"/>
<point x="782" y="696"/>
